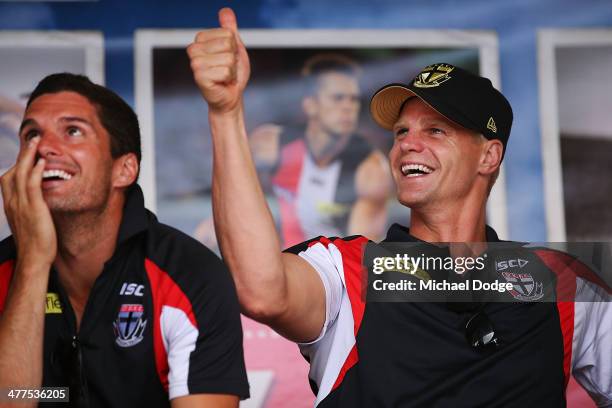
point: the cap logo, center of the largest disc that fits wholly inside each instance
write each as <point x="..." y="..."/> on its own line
<point x="491" y="125"/>
<point x="433" y="75"/>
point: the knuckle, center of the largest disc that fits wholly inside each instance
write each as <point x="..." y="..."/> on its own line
<point x="191" y="50"/>
<point x="195" y="64"/>
<point x="201" y="36"/>
<point x="226" y="72"/>
<point x="226" y="43"/>
<point x="226" y="32"/>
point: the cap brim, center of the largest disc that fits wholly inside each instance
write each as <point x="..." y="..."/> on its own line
<point x="386" y="103"/>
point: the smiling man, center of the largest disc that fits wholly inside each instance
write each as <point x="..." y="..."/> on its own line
<point x="95" y="293"/>
<point x="450" y="131"/>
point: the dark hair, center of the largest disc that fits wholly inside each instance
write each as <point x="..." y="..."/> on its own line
<point x="115" y="115"/>
<point x="321" y="64"/>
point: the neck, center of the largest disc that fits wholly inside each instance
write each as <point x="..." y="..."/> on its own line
<point x="463" y="222"/>
<point x="86" y="241"/>
<point x="323" y="145"/>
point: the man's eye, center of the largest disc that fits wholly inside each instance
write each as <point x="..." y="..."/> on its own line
<point x="437" y="131"/>
<point x="400" y="132"/>
<point x="74" y="131"/>
<point x="31" y="134"/>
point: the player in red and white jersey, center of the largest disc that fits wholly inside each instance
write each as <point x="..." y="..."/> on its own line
<point x="326" y="177"/>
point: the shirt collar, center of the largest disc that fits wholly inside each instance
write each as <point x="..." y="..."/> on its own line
<point x="399" y="233"/>
<point x="134" y="219"/>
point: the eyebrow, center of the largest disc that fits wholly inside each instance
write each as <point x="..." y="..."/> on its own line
<point x="76" y="119"/>
<point x="426" y="122"/>
<point x="26" y="122"/>
<point x="32" y="122"/>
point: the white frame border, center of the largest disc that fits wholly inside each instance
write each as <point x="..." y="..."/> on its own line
<point x="145" y="40"/>
<point x="91" y="41"/>
<point x="552" y="172"/>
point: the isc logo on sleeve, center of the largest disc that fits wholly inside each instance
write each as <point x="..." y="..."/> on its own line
<point x="128" y="289"/>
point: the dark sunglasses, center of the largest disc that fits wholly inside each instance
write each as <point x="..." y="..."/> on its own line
<point x="480" y="333"/>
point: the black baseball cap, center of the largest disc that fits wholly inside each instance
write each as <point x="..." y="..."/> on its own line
<point x="466" y="99"/>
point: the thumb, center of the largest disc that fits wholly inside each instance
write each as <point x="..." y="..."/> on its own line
<point x="227" y="19"/>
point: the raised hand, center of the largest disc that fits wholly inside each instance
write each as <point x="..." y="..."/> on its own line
<point x="220" y="64"/>
<point x="27" y="212"/>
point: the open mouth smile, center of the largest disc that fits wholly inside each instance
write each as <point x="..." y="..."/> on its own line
<point x="56" y="175"/>
<point x="416" y="170"/>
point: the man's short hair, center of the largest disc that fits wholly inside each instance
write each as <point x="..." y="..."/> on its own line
<point x="320" y="64"/>
<point x="116" y="116"/>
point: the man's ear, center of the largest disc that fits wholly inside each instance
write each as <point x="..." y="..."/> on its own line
<point x="309" y="106"/>
<point x="125" y="170"/>
<point x="491" y="156"/>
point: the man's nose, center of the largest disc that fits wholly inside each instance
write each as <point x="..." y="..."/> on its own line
<point x="412" y="142"/>
<point x="49" y="145"/>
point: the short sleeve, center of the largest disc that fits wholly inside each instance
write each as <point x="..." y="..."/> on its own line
<point x="592" y="350"/>
<point x="217" y="361"/>
<point x="323" y="261"/>
<point x="199" y="322"/>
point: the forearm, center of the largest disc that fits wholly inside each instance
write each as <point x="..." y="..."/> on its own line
<point x="22" y="328"/>
<point x="245" y="227"/>
<point x="368" y="218"/>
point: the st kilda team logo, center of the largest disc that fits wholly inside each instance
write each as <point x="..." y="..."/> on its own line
<point x="525" y="287"/>
<point x="129" y="326"/>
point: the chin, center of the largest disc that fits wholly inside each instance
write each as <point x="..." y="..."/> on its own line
<point x="412" y="200"/>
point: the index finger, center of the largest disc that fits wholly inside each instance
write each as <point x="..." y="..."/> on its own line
<point x="25" y="163"/>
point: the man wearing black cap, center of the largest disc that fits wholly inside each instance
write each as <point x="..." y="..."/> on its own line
<point x="450" y="129"/>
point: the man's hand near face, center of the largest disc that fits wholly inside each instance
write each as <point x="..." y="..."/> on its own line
<point x="27" y="213"/>
<point x="21" y="323"/>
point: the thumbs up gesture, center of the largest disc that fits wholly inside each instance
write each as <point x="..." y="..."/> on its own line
<point x="220" y="64"/>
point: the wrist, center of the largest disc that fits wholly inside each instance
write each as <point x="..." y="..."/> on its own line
<point x="226" y="113"/>
<point x="226" y="122"/>
<point x="34" y="268"/>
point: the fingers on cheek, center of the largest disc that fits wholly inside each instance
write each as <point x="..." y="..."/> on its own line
<point x="36" y="177"/>
<point x="25" y="162"/>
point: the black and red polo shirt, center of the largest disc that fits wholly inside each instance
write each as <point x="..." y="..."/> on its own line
<point x="162" y="321"/>
<point x="415" y="354"/>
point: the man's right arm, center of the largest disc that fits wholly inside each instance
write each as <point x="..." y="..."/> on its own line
<point x="281" y="290"/>
<point x="22" y="320"/>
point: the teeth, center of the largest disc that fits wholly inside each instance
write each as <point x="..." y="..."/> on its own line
<point x="407" y="168"/>
<point x="56" y="173"/>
